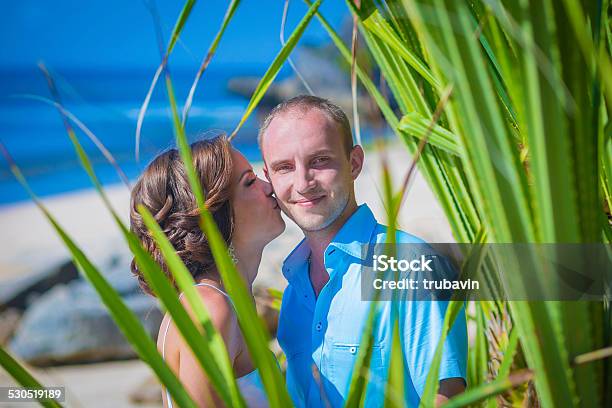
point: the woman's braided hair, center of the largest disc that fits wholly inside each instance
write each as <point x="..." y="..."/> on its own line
<point x="164" y="190"/>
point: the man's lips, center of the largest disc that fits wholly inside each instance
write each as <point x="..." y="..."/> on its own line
<point x="308" y="202"/>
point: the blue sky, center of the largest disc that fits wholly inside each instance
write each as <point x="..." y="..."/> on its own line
<point x="103" y="54"/>
<point x="113" y="33"/>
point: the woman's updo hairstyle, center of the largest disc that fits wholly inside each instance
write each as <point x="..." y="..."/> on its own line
<point x="164" y="190"/>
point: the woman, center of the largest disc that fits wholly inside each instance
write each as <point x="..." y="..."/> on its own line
<point x="248" y="217"/>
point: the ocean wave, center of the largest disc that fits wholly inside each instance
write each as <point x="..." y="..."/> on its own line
<point x="224" y="112"/>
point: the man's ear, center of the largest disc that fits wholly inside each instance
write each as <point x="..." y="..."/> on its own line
<point x="356" y="158"/>
<point x="265" y="170"/>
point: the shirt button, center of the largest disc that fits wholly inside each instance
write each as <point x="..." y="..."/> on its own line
<point x="353" y="350"/>
<point x="318" y="326"/>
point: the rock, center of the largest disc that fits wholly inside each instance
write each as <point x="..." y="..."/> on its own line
<point x="9" y="321"/>
<point x="244" y="86"/>
<point x="318" y="69"/>
<point x="118" y="275"/>
<point x="19" y="292"/>
<point x="70" y="324"/>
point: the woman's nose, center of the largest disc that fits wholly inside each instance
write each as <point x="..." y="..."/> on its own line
<point x="268" y="190"/>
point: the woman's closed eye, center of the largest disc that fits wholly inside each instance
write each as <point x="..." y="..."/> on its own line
<point x="249" y="182"/>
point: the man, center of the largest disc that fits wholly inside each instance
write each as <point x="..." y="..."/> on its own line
<point x="312" y="164"/>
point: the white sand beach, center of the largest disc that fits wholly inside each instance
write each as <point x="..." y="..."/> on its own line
<point x="28" y="244"/>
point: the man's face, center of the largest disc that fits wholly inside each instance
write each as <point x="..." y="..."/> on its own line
<point x="310" y="171"/>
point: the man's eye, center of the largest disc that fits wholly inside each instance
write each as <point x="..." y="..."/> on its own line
<point x="250" y="182"/>
<point x="283" y="169"/>
<point x="320" y="160"/>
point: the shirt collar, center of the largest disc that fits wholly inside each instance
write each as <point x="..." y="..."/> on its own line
<point x="356" y="232"/>
<point x="351" y="237"/>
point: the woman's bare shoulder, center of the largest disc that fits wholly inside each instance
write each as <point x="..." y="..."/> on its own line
<point x="217" y="305"/>
<point x="219" y="310"/>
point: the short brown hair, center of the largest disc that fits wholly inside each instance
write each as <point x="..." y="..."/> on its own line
<point x="304" y="103"/>
<point x="164" y="190"/>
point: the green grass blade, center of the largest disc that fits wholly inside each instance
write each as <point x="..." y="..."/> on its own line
<point x="437" y="167"/>
<point x="487" y="390"/>
<point x="607" y="165"/>
<point x="363" y="77"/>
<point x="357" y="388"/>
<point x="231" y="9"/>
<point x="212" y="354"/>
<point x="509" y="353"/>
<point x="126" y="320"/>
<point x="490" y="148"/>
<point x="580" y="329"/>
<point x="376" y="24"/>
<point x="585" y="126"/>
<point x="223" y="381"/>
<point x="252" y="327"/>
<point x="276" y="65"/>
<point x="432" y="383"/>
<point x="178" y="27"/>
<point x="592" y="55"/>
<point x="472" y="263"/>
<point x="436" y="171"/>
<point x="547" y="158"/>
<point x="545" y="353"/>
<point x="418" y="126"/>
<point x="481" y="19"/>
<point x="358" y="384"/>
<point x="406" y="90"/>
<point x="22" y="376"/>
<point x="395" y="389"/>
<point x="479" y="355"/>
<point x="67" y="116"/>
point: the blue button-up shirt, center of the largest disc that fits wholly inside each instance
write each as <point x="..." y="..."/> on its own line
<point x="321" y="336"/>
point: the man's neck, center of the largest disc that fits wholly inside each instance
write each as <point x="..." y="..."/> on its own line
<point x="318" y="242"/>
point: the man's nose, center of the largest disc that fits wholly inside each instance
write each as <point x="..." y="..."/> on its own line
<point x="303" y="179"/>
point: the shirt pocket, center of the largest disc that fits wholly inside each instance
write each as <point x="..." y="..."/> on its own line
<point x="342" y="359"/>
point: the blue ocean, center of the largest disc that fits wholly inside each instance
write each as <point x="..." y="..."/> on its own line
<point x="103" y="55"/>
<point x="108" y="102"/>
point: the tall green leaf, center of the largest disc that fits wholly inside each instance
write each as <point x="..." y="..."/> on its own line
<point x="432" y="383"/>
<point x="211" y="351"/>
<point x="231" y="9"/>
<point x="176" y="31"/>
<point x="126" y="320"/>
<point x="22" y="376"/>
<point x="252" y="327"/>
<point x="488" y="390"/>
<point x="276" y="65"/>
<point x="416" y="125"/>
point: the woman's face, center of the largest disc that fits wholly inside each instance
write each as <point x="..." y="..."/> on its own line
<point x="257" y="217"/>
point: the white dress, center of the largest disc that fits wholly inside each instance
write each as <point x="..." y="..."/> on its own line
<point x="250" y="385"/>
